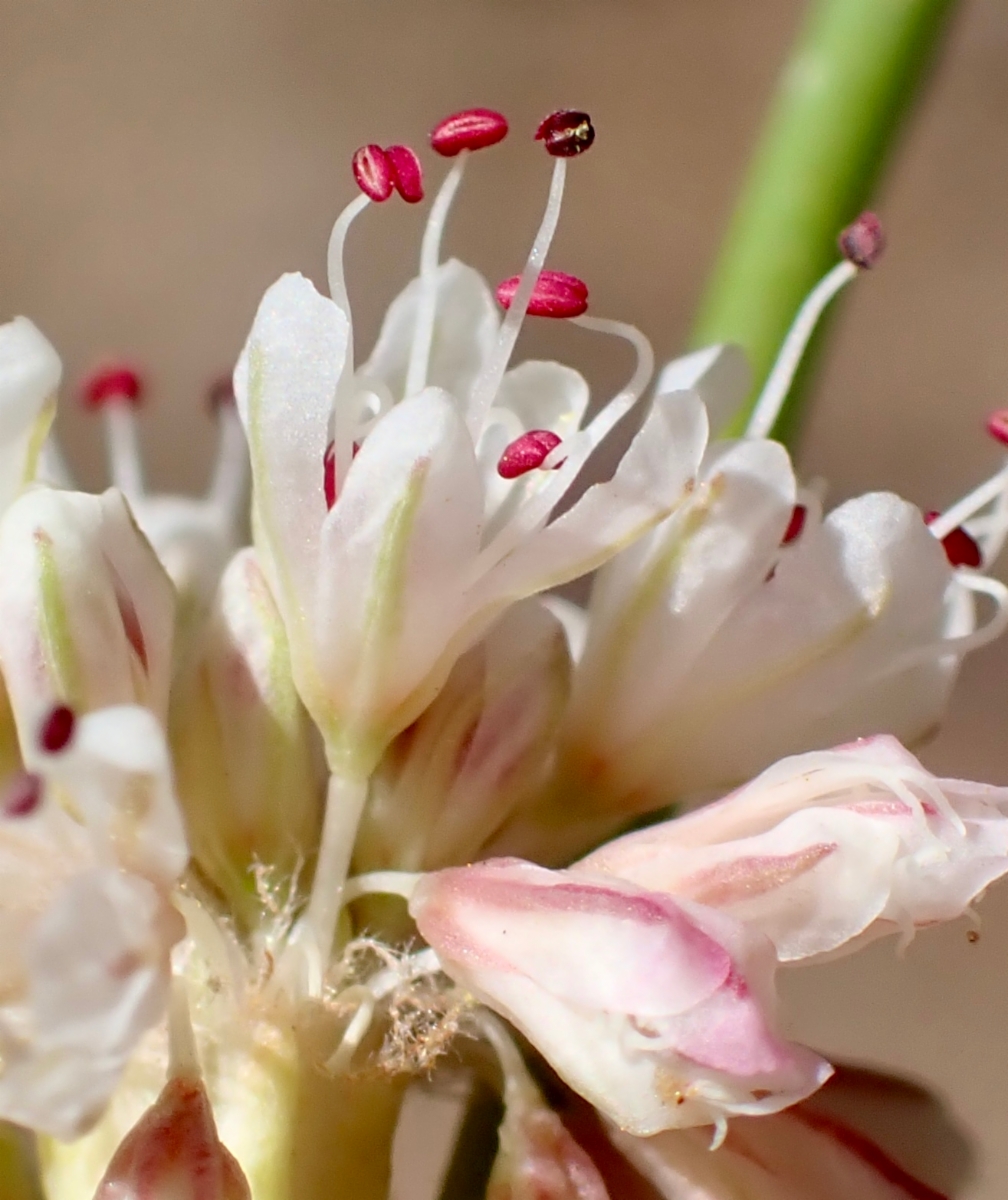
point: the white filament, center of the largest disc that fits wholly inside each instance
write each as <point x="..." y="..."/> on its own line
<point x="384" y="883"/>
<point x="486" y="385"/>
<point x="430" y="252"/>
<point x="345" y="415"/>
<point x="573" y="452"/>
<point x="778" y="384"/>
<point x="123" y="447"/>
<point x="988" y="491"/>
<point x="183" y="1061"/>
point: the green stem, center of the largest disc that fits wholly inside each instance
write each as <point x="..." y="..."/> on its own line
<point x="855" y="69"/>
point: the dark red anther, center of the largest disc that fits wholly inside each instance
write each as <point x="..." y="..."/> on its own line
<point x="997" y="426"/>
<point x="795" y="525"/>
<point x="407" y="174"/>
<point x="473" y="129"/>
<point x="57" y="729"/>
<point x="23" y="796"/>
<point x="111" y="384"/>
<point x="566" y="133"/>
<point x="556" y="294"/>
<point x="329" y="474"/>
<point x="960" y="549"/>
<point x="373" y="172"/>
<point x="221" y="394"/>
<point x="863" y="241"/>
<point x="527" y="452"/>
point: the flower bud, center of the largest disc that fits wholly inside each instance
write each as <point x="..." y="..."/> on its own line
<point x="244" y="750"/>
<point x="174" y="1153"/>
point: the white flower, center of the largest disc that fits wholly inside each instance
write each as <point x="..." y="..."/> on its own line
<point x="30" y="372"/>
<point x="90" y="848"/>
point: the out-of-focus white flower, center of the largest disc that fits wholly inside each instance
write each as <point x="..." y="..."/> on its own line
<point x="827" y="849"/>
<point x="86" y="610"/>
<point x="30" y="372"/>
<point x="90" y="847"/>
<point x="652" y="1009"/>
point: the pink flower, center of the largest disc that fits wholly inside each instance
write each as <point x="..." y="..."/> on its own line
<point x="827" y="848"/>
<point x="652" y="1009"/>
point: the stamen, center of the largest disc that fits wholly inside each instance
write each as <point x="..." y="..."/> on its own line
<point x="960" y="549"/>
<point x="329" y="474"/>
<point x="778" y="384"/>
<point x="556" y="294"/>
<point x="117" y="390"/>
<point x="795" y="526"/>
<point x="334" y="262"/>
<point x="997" y="426"/>
<point x="474" y="129"/>
<point x="430" y="252"/>
<point x="969" y="505"/>
<point x="23" y="796"/>
<point x="863" y="241"/>
<point x="229" y="482"/>
<point x="566" y="133"/>
<point x="373" y="172"/>
<point x="407" y="174"/>
<point x="486" y="385"/>
<point x="526" y="453"/>
<point x="607" y="418"/>
<point x="57" y="729"/>
<point x="183" y="1060"/>
<point x="384" y="883"/>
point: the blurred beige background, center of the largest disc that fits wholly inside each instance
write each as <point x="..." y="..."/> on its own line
<point x="161" y="163"/>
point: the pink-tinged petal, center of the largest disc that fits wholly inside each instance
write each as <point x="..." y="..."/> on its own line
<point x="539" y="1160"/>
<point x="396" y="547"/>
<point x="285" y="384"/>
<point x="86" y="609"/>
<point x="616" y="949"/>
<point x="465" y="332"/>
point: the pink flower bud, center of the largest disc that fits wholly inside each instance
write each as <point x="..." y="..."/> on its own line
<point x="863" y="241"/>
<point x="526" y="453"/>
<point x="556" y="294"/>
<point x="566" y="133"/>
<point x="473" y="129"/>
<point x="109" y="384"/>
<point x="407" y="174"/>
<point x="373" y="172"/>
<point x="174" y="1150"/>
<point x="997" y="426"/>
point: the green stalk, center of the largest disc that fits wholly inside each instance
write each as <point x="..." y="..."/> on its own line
<point x="856" y="68"/>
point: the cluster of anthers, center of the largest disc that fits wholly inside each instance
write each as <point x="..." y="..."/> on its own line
<point x="287" y="825"/>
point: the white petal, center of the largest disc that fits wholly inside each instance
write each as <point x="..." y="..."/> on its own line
<point x="285" y="386"/>
<point x="719" y="374"/>
<point x="30" y="372"/>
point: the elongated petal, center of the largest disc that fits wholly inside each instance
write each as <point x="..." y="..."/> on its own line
<point x="395" y="549"/>
<point x="827" y="847"/>
<point x="86" y="609"/>
<point x="285" y="384"/>
<point x="465" y="330"/>
<point x="719" y="374"/>
<point x="30" y="372"/>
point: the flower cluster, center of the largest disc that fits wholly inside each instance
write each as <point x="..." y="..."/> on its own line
<point x="282" y="823"/>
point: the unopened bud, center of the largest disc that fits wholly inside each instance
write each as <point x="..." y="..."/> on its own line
<point x="174" y="1153"/>
<point x="566" y="134"/>
<point x="526" y="453"/>
<point x="373" y="172"/>
<point x="556" y="294"/>
<point x="473" y="129"/>
<point x="110" y="384"/>
<point x="407" y="174"/>
<point x="863" y="241"/>
<point x="997" y="426"/>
